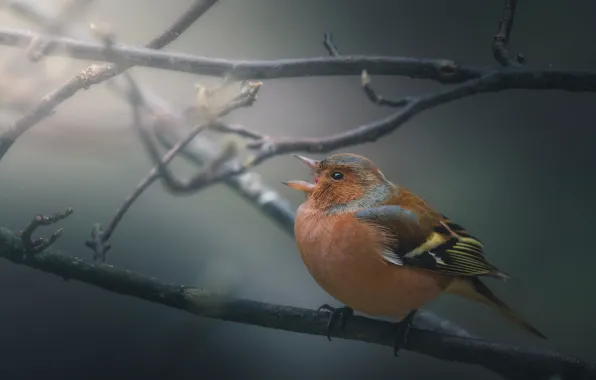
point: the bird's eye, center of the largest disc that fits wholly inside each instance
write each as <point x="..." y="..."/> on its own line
<point x="337" y="176"/>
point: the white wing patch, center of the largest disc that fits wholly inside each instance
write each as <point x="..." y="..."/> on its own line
<point x="390" y="256"/>
<point x="438" y="260"/>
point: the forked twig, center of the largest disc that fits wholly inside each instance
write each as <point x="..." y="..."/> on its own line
<point x="42" y="243"/>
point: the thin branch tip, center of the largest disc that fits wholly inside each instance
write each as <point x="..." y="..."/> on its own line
<point x="40" y="244"/>
<point x="501" y="38"/>
<point x="329" y="44"/>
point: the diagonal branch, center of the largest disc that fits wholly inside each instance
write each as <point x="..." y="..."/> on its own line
<point x="92" y="75"/>
<point x="511" y="361"/>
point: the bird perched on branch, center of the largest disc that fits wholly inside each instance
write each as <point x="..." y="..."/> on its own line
<point x="380" y="249"/>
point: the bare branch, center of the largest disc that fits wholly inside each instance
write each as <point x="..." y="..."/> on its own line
<point x="508" y="360"/>
<point x="40" y="220"/>
<point x="330" y="45"/>
<point x="501" y="39"/>
<point x="239" y="130"/>
<point x="198" y="8"/>
<point x="370" y="93"/>
<point x="374" y="97"/>
<point x="99" y="238"/>
<point x="92" y="75"/>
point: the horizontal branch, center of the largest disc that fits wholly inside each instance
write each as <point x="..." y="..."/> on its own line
<point x="511" y="361"/>
<point x="442" y="70"/>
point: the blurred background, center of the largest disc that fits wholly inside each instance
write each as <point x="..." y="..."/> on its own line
<point x="515" y="167"/>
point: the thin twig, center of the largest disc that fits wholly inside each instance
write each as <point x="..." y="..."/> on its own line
<point x="371" y="94"/>
<point x="501" y="39"/>
<point x="99" y="243"/>
<point x="239" y="130"/>
<point x="330" y="45"/>
<point x="380" y="100"/>
<point x="92" y="75"/>
<point x="40" y="220"/>
<point x="508" y="360"/>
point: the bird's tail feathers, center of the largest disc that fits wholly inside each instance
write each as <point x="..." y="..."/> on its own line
<point x="501" y="275"/>
<point x="474" y="289"/>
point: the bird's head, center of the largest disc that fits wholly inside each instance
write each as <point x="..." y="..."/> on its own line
<point x="341" y="179"/>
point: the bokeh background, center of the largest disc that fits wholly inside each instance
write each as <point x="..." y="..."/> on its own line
<point x="516" y="167"/>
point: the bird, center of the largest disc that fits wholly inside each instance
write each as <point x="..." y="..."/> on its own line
<point x="379" y="249"/>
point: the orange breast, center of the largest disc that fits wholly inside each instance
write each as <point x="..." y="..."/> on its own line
<point x="344" y="257"/>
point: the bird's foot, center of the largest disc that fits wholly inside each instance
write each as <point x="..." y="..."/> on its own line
<point x="343" y="313"/>
<point x="402" y="330"/>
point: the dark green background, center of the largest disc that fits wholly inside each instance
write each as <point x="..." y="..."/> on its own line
<point x="516" y="168"/>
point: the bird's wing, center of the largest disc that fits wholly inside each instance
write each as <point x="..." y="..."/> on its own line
<point x="444" y="246"/>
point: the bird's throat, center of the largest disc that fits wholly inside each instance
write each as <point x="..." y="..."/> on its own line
<point x="373" y="196"/>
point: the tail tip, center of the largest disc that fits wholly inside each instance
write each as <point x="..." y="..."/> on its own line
<point x="502" y="275"/>
<point x="538" y="333"/>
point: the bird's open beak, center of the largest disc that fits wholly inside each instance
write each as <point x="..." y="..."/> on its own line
<point x="307" y="187"/>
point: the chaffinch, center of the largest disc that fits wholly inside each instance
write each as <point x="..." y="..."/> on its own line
<point x="381" y="250"/>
